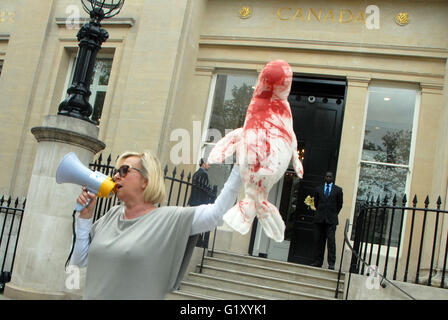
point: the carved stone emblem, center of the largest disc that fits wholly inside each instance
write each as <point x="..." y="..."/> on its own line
<point x="245" y="12"/>
<point x="402" y="18"/>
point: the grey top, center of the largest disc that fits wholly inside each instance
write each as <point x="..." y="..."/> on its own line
<point x="141" y="258"/>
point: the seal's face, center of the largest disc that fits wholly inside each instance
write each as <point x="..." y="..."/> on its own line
<point x="274" y="81"/>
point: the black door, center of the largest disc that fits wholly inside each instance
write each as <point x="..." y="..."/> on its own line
<point x="317" y="106"/>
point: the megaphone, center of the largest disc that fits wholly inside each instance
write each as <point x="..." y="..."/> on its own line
<point x="72" y="170"/>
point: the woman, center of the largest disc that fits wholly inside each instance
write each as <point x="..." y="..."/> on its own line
<point x="136" y="250"/>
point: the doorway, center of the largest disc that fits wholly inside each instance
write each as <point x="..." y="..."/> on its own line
<point x="317" y="107"/>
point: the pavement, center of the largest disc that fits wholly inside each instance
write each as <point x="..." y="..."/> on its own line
<point x="2" y="297"/>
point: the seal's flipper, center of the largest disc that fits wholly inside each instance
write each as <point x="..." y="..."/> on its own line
<point x="225" y="147"/>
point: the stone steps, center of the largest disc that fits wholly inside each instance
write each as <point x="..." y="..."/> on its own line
<point x="275" y="282"/>
<point x="242" y="277"/>
<point x="299" y="275"/>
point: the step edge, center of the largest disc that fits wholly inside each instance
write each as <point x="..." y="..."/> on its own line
<point x="263" y="259"/>
<point x="193" y="294"/>
<point x="228" y="291"/>
<point x="293" y="282"/>
<point x="263" y="287"/>
<point x="272" y="260"/>
<point x="276" y="270"/>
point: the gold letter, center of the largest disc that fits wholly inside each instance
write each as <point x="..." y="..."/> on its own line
<point x="363" y="18"/>
<point x="278" y="13"/>
<point x="330" y="12"/>
<point x="301" y="14"/>
<point x="342" y="14"/>
<point x="314" y="14"/>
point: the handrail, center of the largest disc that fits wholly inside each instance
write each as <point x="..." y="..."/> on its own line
<point x="205" y="247"/>
<point x="347" y="241"/>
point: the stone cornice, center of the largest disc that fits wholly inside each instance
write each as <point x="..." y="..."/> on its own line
<point x="431" y="88"/>
<point x="54" y="134"/>
<point x="118" y="22"/>
<point x="204" y="62"/>
<point x="338" y="46"/>
<point x="358" y="82"/>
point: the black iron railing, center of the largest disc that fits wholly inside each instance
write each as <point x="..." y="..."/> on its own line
<point x="103" y="204"/>
<point x="400" y="240"/>
<point x="180" y="189"/>
<point x="11" y="214"/>
<point x="359" y="260"/>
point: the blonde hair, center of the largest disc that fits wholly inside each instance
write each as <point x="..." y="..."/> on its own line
<point x="150" y="166"/>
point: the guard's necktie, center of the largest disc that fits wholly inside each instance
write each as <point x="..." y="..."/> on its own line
<point x="327" y="190"/>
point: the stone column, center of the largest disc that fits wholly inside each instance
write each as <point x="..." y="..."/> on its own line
<point x="427" y="179"/>
<point x="444" y="221"/>
<point x="46" y="235"/>
<point x="349" y="155"/>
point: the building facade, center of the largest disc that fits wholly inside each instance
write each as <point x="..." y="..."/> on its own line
<point x="369" y="97"/>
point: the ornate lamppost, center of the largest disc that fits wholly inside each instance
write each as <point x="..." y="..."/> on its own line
<point x="45" y="243"/>
<point x="90" y="37"/>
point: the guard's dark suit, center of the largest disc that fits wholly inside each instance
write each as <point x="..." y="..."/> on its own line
<point x="326" y="220"/>
<point x="198" y="195"/>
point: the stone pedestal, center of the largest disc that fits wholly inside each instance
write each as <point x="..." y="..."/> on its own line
<point x="46" y="234"/>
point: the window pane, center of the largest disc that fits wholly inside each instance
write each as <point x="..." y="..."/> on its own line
<point x="231" y="99"/>
<point x="98" y="106"/>
<point x="389" y="125"/>
<point x="103" y="66"/>
<point x="380" y="181"/>
<point x="1" y="67"/>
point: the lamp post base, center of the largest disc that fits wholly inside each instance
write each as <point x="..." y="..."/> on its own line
<point x="14" y="292"/>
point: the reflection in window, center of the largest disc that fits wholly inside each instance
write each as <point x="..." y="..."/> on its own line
<point x="375" y="183"/>
<point x="98" y="86"/>
<point x="380" y="181"/>
<point x="98" y="106"/>
<point x="388" y="128"/>
<point x="231" y="99"/>
<point x="386" y="155"/>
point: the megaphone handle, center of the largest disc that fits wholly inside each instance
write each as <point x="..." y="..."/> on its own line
<point x="79" y="207"/>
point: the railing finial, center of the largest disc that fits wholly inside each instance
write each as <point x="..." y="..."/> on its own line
<point x="427" y="202"/>
<point x="439" y="202"/>
<point x="405" y="200"/>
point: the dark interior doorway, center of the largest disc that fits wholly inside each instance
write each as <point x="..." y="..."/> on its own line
<point x="317" y="107"/>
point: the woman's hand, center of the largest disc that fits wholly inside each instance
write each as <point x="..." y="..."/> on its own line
<point x="83" y="199"/>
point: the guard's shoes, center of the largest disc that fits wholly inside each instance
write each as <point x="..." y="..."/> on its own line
<point x="331" y="267"/>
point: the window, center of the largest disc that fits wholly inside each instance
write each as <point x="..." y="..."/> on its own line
<point x="386" y="155"/>
<point x="232" y="93"/>
<point x="98" y="86"/>
<point x="1" y="67"/>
